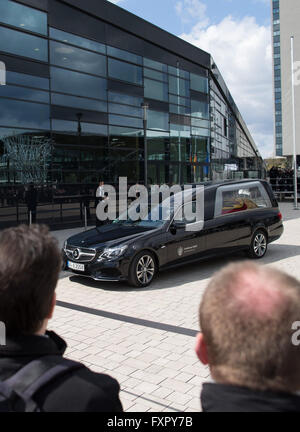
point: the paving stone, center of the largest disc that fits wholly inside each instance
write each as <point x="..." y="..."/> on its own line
<point x="178" y="397"/>
<point x="177" y="385"/>
<point x="194" y="403"/>
<point x="162" y="392"/>
<point x="146" y="387"/>
<point x="151" y="378"/>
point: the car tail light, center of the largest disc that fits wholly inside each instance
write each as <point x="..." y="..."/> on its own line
<point x="280" y="215"/>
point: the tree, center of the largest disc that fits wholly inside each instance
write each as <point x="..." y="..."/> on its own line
<point x="29" y="156"/>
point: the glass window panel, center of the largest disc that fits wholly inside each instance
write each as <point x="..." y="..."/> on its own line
<point x="158" y="120"/>
<point x="177" y="130"/>
<point x="149" y="73"/>
<point x="5" y="132"/>
<point x="125" y="99"/>
<point x="24" y="114"/>
<point x="77" y="40"/>
<point x="178" y="72"/>
<point x="23" y="44"/>
<point x="125" y="162"/>
<point x="126" y="137"/>
<point x="178" y="100"/>
<point x="78" y="102"/>
<point x="199" y="83"/>
<point x="200" y="132"/>
<point x="78" y="84"/>
<point x="177" y="109"/>
<point x="24" y="93"/>
<point x="92" y="128"/>
<point x="125" y="71"/>
<point x="77" y="58"/>
<point x="155" y="65"/>
<point x="125" y="121"/>
<point x="124" y="55"/>
<point x="66" y="126"/>
<point x="200" y="150"/>
<point x="27" y="80"/>
<point x="157" y="145"/>
<point x="200" y="123"/>
<point x="23" y="17"/>
<point x="180" y="149"/>
<point x="124" y="109"/>
<point x="199" y="109"/>
<point x="179" y="86"/>
<point x="156" y="90"/>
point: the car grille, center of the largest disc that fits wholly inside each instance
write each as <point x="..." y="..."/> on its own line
<point x="79" y="254"/>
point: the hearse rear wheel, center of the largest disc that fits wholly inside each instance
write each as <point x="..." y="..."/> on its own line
<point x="259" y="245"/>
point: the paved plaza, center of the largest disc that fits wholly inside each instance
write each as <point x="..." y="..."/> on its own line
<point x="145" y="337"/>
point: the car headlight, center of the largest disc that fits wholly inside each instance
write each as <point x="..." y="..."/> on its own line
<point x="65" y="245"/>
<point x="112" y="253"/>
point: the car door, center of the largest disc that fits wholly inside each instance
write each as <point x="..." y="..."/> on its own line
<point x="183" y="245"/>
<point x="231" y="227"/>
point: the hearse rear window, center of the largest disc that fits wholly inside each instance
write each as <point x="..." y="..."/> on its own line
<point x="241" y="197"/>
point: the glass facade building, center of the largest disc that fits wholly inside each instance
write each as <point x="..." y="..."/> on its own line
<point x="77" y="76"/>
<point x="277" y="76"/>
<point x="285" y="24"/>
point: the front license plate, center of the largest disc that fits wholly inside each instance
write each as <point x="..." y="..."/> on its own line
<point x="75" y="266"/>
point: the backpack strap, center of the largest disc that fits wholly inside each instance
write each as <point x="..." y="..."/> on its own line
<point x="36" y="374"/>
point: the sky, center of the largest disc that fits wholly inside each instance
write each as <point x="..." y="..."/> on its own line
<point x="237" y="33"/>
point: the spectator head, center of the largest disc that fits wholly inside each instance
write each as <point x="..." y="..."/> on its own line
<point x="30" y="262"/>
<point x="246" y="318"/>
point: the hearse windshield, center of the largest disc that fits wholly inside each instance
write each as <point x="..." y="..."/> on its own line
<point x="156" y="217"/>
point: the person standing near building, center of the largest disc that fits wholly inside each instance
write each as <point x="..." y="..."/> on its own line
<point x="99" y="197"/>
<point x="100" y="192"/>
<point x="31" y="201"/>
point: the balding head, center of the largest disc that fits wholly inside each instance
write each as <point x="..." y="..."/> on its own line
<point x="246" y="317"/>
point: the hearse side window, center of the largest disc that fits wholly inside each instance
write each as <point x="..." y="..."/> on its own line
<point x="241" y="197"/>
<point x="188" y="209"/>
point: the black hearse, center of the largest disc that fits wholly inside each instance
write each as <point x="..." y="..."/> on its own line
<point x="238" y="215"/>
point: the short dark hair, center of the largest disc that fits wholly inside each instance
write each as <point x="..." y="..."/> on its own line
<point x="246" y="317"/>
<point x="30" y="261"/>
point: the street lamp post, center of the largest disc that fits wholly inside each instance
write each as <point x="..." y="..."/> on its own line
<point x="145" y="107"/>
<point x="79" y="117"/>
<point x="294" y="127"/>
<point x="79" y="130"/>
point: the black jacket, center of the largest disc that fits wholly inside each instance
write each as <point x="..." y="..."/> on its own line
<point x="78" y="391"/>
<point x="31" y="199"/>
<point x="227" y="398"/>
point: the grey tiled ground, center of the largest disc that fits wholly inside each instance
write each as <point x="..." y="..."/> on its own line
<point x="143" y="337"/>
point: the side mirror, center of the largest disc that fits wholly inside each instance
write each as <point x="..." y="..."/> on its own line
<point x="176" y="226"/>
<point x="180" y="225"/>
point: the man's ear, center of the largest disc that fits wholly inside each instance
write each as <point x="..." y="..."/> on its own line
<point x="52" y="306"/>
<point x="201" y="349"/>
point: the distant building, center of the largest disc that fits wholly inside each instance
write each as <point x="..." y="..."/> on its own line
<point x="286" y="23"/>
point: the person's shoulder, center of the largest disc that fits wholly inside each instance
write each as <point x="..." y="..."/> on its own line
<point x="98" y="379"/>
<point x="84" y="390"/>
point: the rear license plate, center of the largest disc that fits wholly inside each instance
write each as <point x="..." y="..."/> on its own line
<point x="75" y="266"/>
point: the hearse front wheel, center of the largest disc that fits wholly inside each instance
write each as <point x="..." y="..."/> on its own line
<point x="142" y="269"/>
